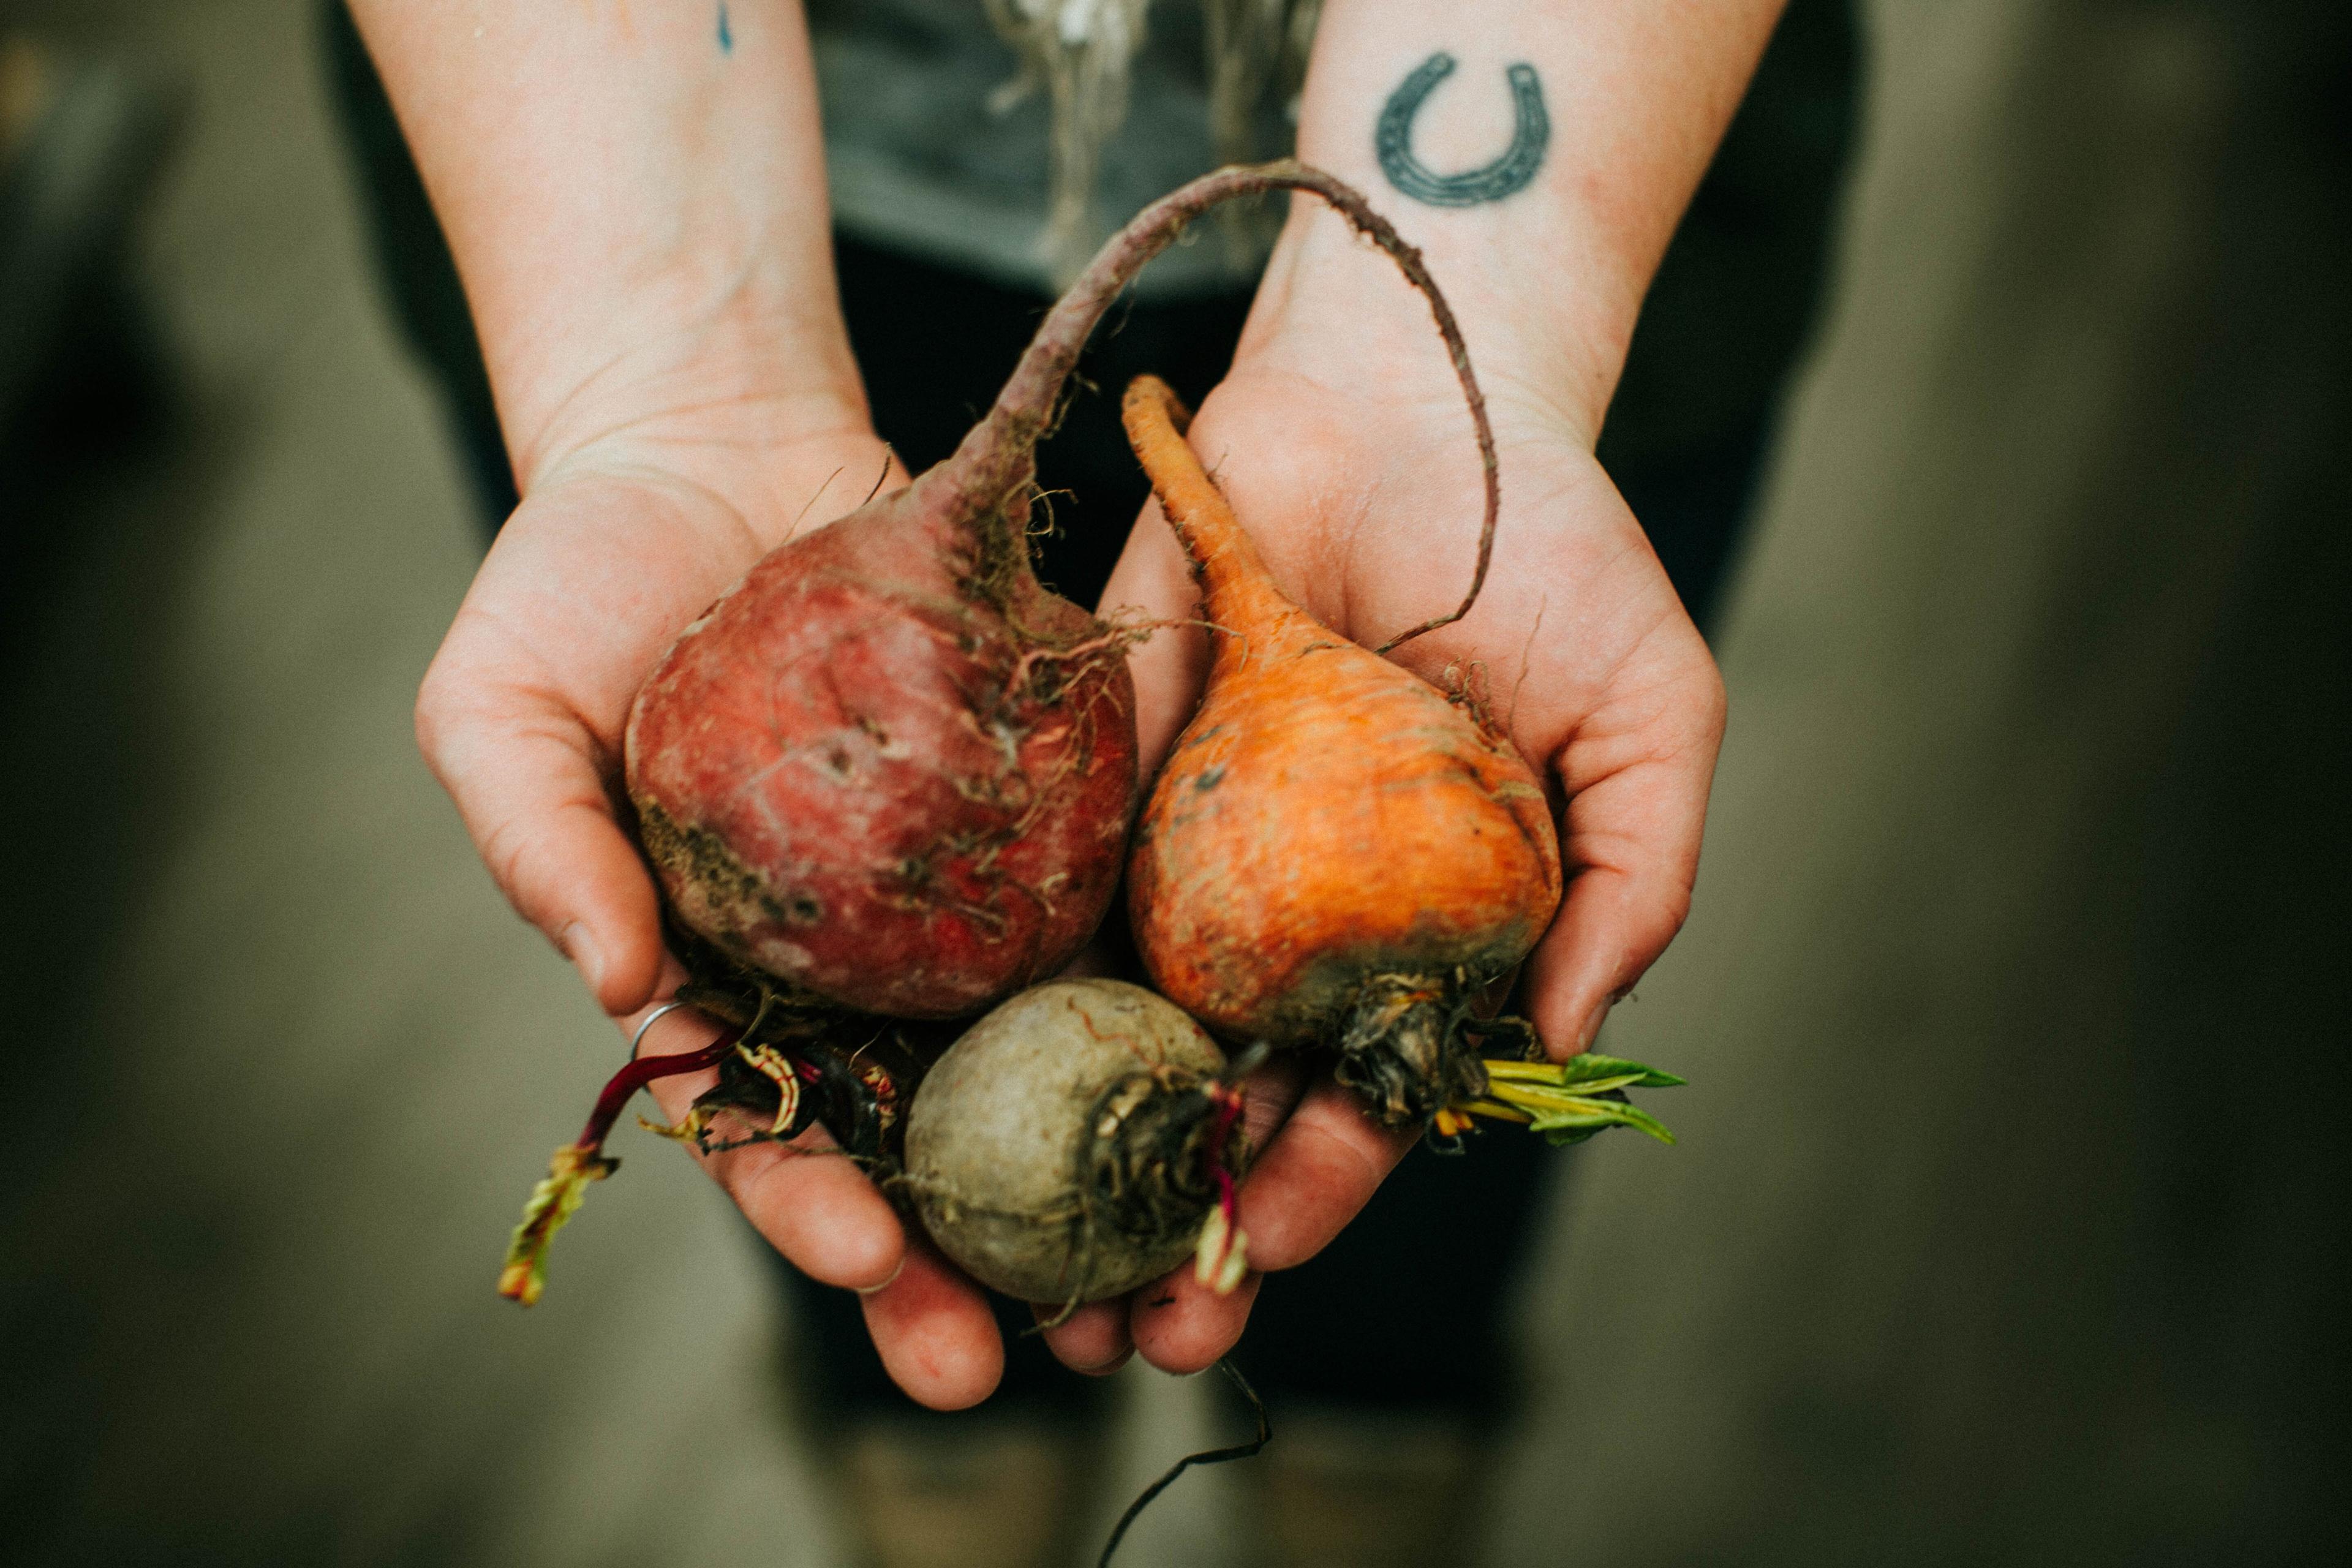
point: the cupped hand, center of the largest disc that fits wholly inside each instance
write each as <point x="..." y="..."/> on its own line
<point x="1356" y="474"/>
<point x="616" y="547"/>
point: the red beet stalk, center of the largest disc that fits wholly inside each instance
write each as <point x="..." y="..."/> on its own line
<point x="575" y="1165"/>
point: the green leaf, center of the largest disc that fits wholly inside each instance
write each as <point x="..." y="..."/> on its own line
<point x="1572" y="1112"/>
<point x="1570" y="1101"/>
<point x="1589" y="1072"/>
<point x="1581" y="1070"/>
<point x="1599" y="1085"/>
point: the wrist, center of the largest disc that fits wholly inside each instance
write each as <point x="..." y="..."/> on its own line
<point x="1539" y="157"/>
<point x="1335" y="310"/>
<point x="637" y="208"/>
<point x="742" y="480"/>
<point x="733" y="365"/>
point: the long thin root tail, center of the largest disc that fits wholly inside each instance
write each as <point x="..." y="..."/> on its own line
<point x="996" y="458"/>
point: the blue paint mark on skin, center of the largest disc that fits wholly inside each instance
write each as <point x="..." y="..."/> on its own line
<point x="726" y="33"/>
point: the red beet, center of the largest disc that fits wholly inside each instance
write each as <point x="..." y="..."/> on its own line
<point x="889" y="768"/>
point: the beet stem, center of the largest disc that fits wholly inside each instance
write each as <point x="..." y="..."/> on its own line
<point x="557" y="1197"/>
<point x="1222" y="1255"/>
<point x="1229" y="1112"/>
<point x="624" y="1085"/>
<point x="997" y="459"/>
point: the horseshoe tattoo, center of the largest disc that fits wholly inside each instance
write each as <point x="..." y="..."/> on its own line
<point x="1392" y="141"/>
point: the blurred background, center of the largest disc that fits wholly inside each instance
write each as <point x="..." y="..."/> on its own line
<point x="2008" y="1223"/>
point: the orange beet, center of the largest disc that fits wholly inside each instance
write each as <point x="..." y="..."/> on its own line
<point x="1336" y="853"/>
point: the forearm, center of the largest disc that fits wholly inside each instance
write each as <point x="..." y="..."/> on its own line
<point x="637" y="208"/>
<point x="1546" y="256"/>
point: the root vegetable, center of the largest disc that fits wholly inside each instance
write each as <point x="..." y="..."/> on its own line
<point x="888" y="773"/>
<point x="1076" y="1142"/>
<point x="1336" y="852"/>
<point x="889" y="768"/>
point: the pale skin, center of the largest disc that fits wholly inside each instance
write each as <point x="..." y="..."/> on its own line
<point x="640" y="219"/>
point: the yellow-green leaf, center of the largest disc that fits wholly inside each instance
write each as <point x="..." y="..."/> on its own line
<point x="1576" y="1113"/>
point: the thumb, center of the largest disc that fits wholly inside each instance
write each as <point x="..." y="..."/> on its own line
<point x="1631" y="854"/>
<point x="525" y="780"/>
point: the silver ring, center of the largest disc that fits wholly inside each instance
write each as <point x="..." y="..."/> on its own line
<point x="652" y="1018"/>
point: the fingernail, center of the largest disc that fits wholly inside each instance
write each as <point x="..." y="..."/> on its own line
<point x="877" y="1289"/>
<point x="1591" y="1030"/>
<point x="1104" y="1369"/>
<point x="578" y="946"/>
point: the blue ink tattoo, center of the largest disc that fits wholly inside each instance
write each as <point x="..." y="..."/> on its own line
<point x="726" y="33"/>
<point x="1393" y="141"/>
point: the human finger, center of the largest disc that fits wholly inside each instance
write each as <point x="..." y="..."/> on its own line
<point x="521" y="770"/>
<point x="934" y="1331"/>
<point x="1093" y="1339"/>
<point x="931" y="1325"/>
<point x="1270" y="1094"/>
<point x="1182" y="1326"/>
<point x="1315" y="1176"/>
<point x="1629" y="851"/>
<point x="804" y="1199"/>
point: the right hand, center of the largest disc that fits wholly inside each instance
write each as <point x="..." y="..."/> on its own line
<point x="615" y="548"/>
<point x="1342" y="440"/>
